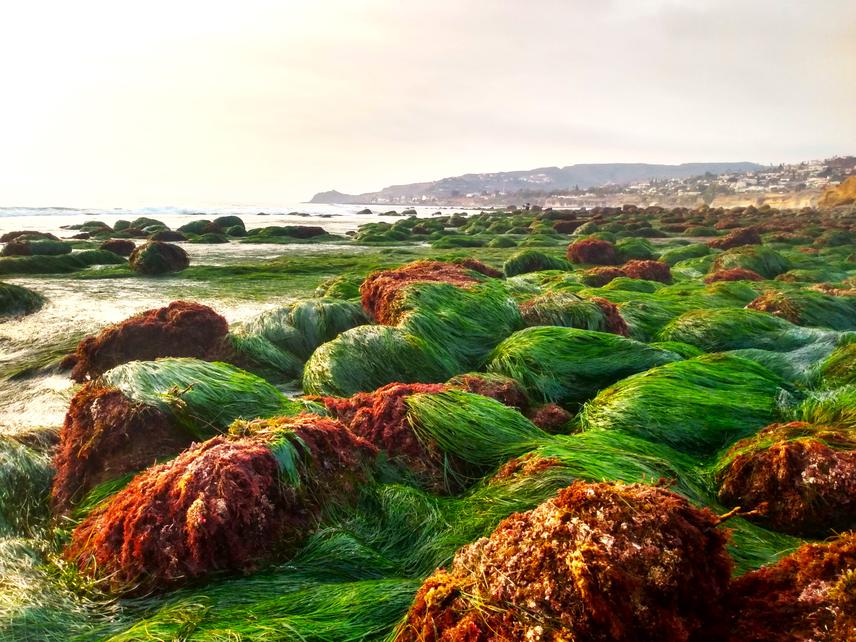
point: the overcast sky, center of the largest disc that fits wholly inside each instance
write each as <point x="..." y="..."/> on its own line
<point x="255" y="102"/>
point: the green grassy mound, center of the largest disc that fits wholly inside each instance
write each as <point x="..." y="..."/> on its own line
<point x="695" y="406"/>
<point x="566" y="365"/>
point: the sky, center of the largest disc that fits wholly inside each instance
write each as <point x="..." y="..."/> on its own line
<point x="178" y="102"/>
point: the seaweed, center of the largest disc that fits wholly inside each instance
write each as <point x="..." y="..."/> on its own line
<point x="565" y="365"/>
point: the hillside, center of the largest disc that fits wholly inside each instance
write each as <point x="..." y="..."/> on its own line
<point x="542" y="179"/>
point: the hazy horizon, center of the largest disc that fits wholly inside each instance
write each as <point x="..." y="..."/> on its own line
<point x="110" y="105"/>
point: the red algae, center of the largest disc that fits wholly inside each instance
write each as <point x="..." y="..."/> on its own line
<point x="380" y="290"/>
<point x="380" y="417"/>
<point x="649" y="270"/>
<point x="599" y="276"/>
<point x="550" y="417"/>
<point x="592" y="252"/>
<point x="799" y="478"/>
<point x="221" y="505"/>
<point x="615" y="323"/>
<point x="105" y="435"/>
<point x="598" y="562"/>
<point x="777" y="304"/>
<point x="504" y="389"/>
<point x="181" y="329"/>
<point x="808" y="596"/>
<point x="736" y="238"/>
<point x="733" y="274"/>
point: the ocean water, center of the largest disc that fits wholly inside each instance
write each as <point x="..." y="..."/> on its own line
<point x="76" y="308"/>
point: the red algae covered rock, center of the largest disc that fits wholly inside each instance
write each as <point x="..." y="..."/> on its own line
<point x="181" y="329"/>
<point x="599" y="276"/>
<point x="615" y="323"/>
<point x="736" y="238"/>
<point x="733" y="274"/>
<point x="504" y="389"/>
<point x="122" y="247"/>
<point x="777" y="304"/>
<point x="800" y="478"/>
<point x="598" y="562"/>
<point x="380" y="289"/>
<point x="157" y="257"/>
<point x="380" y="417"/>
<point x="648" y="270"/>
<point x="808" y="596"/>
<point x="550" y="418"/>
<point x="232" y="503"/>
<point x="592" y="252"/>
<point x="105" y="436"/>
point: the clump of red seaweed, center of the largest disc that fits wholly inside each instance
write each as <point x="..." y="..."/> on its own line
<point x="181" y="329"/>
<point x="615" y="323"/>
<point x="504" y="389"/>
<point x="799" y="478"/>
<point x="736" y="238"/>
<point x="733" y="274"/>
<point x="592" y="252"/>
<point x="648" y="269"/>
<point x="777" y="304"/>
<point x="526" y="465"/>
<point x="380" y="417"/>
<point x="105" y="436"/>
<point x="597" y="562"/>
<point x="379" y="291"/>
<point x="222" y="505"/>
<point x="808" y="596"/>
<point x="550" y="418"/>
<point x="599" y="276"/>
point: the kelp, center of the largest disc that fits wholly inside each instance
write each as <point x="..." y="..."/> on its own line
<point x="205" y="397"/>
<point x="567" y="365"/>
<point x="696" y="406"/>
<point x="368" y="357"/>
